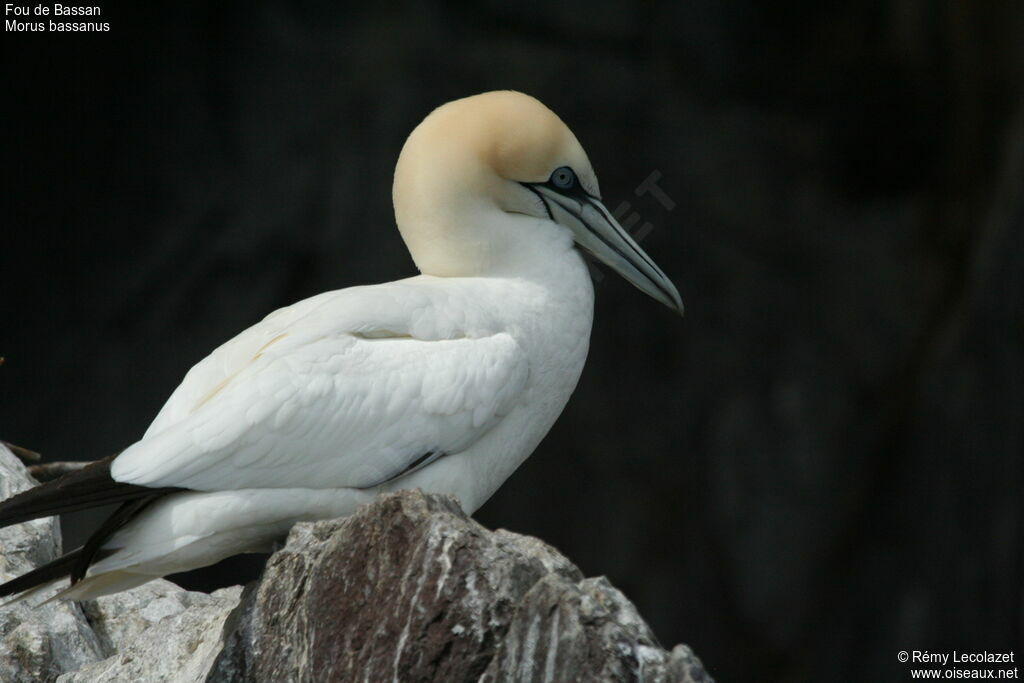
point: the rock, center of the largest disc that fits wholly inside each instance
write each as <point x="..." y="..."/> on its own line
<point x="37" y="643"/>
<point x="409" y="588"/>
<point x="120" y="618"/>
<point x="158" y="632"/>
<point x="585" y="630"/>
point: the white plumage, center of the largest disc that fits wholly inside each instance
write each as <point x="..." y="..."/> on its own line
<point x="446" y="381"/>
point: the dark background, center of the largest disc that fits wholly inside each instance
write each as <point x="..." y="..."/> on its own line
<point x="819" y="466"/>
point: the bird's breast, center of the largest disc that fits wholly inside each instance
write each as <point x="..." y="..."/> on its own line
<point x="550" y="319"/>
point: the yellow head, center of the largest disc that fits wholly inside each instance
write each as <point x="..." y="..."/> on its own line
<point x="475" y="161"/>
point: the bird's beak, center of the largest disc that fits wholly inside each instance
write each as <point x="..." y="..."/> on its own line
<point x="597" y="231"/>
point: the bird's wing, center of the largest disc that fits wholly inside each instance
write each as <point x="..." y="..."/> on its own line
<point x="314" y="406"/>
<point x="230" y="358"/>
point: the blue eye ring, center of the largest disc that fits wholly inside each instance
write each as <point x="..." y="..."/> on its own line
<point x="563" y="178"/>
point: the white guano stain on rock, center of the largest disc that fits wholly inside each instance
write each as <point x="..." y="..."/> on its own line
<point x="408" y="588"/>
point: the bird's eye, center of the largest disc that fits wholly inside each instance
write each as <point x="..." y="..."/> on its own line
<point x="563" y="178"/>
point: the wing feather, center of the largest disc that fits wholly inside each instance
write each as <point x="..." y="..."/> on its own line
<point x="329" y="411"/>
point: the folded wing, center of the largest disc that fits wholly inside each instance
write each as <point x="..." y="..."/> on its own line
<point x="315" y="410"/>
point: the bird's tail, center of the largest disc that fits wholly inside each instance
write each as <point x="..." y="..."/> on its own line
<point x="41" y="578"/>
<point x="89" y="487"/>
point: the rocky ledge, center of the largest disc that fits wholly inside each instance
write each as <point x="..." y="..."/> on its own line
<point x="408" y="588"/>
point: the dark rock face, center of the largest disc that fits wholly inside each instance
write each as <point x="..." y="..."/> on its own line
<point x="407" y="589"/>
<point x="586" y="631"/>
<point x="411" y="589"/>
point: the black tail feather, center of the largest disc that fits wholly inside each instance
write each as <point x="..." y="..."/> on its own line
<point x="56" y="569"/>
<point x="92" y="549"/>
<point x="91" y="486"/>
<point x="76" y="563"/>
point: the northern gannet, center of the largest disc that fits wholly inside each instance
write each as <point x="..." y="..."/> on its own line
<point x="445" y="381"/>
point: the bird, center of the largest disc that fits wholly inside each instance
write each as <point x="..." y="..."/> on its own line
<point x="445" y="381"/>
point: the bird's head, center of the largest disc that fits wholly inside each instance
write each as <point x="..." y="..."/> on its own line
<point x="474" y="160"/>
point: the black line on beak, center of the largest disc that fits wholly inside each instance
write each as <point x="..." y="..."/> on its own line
<point x="531" y="188"/>
<point x="581" y="197"/>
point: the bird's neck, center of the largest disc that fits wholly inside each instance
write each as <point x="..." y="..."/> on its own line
<point x="477" y="239"/>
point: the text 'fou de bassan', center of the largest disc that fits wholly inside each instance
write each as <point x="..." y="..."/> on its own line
<point x="28" y="18"/>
